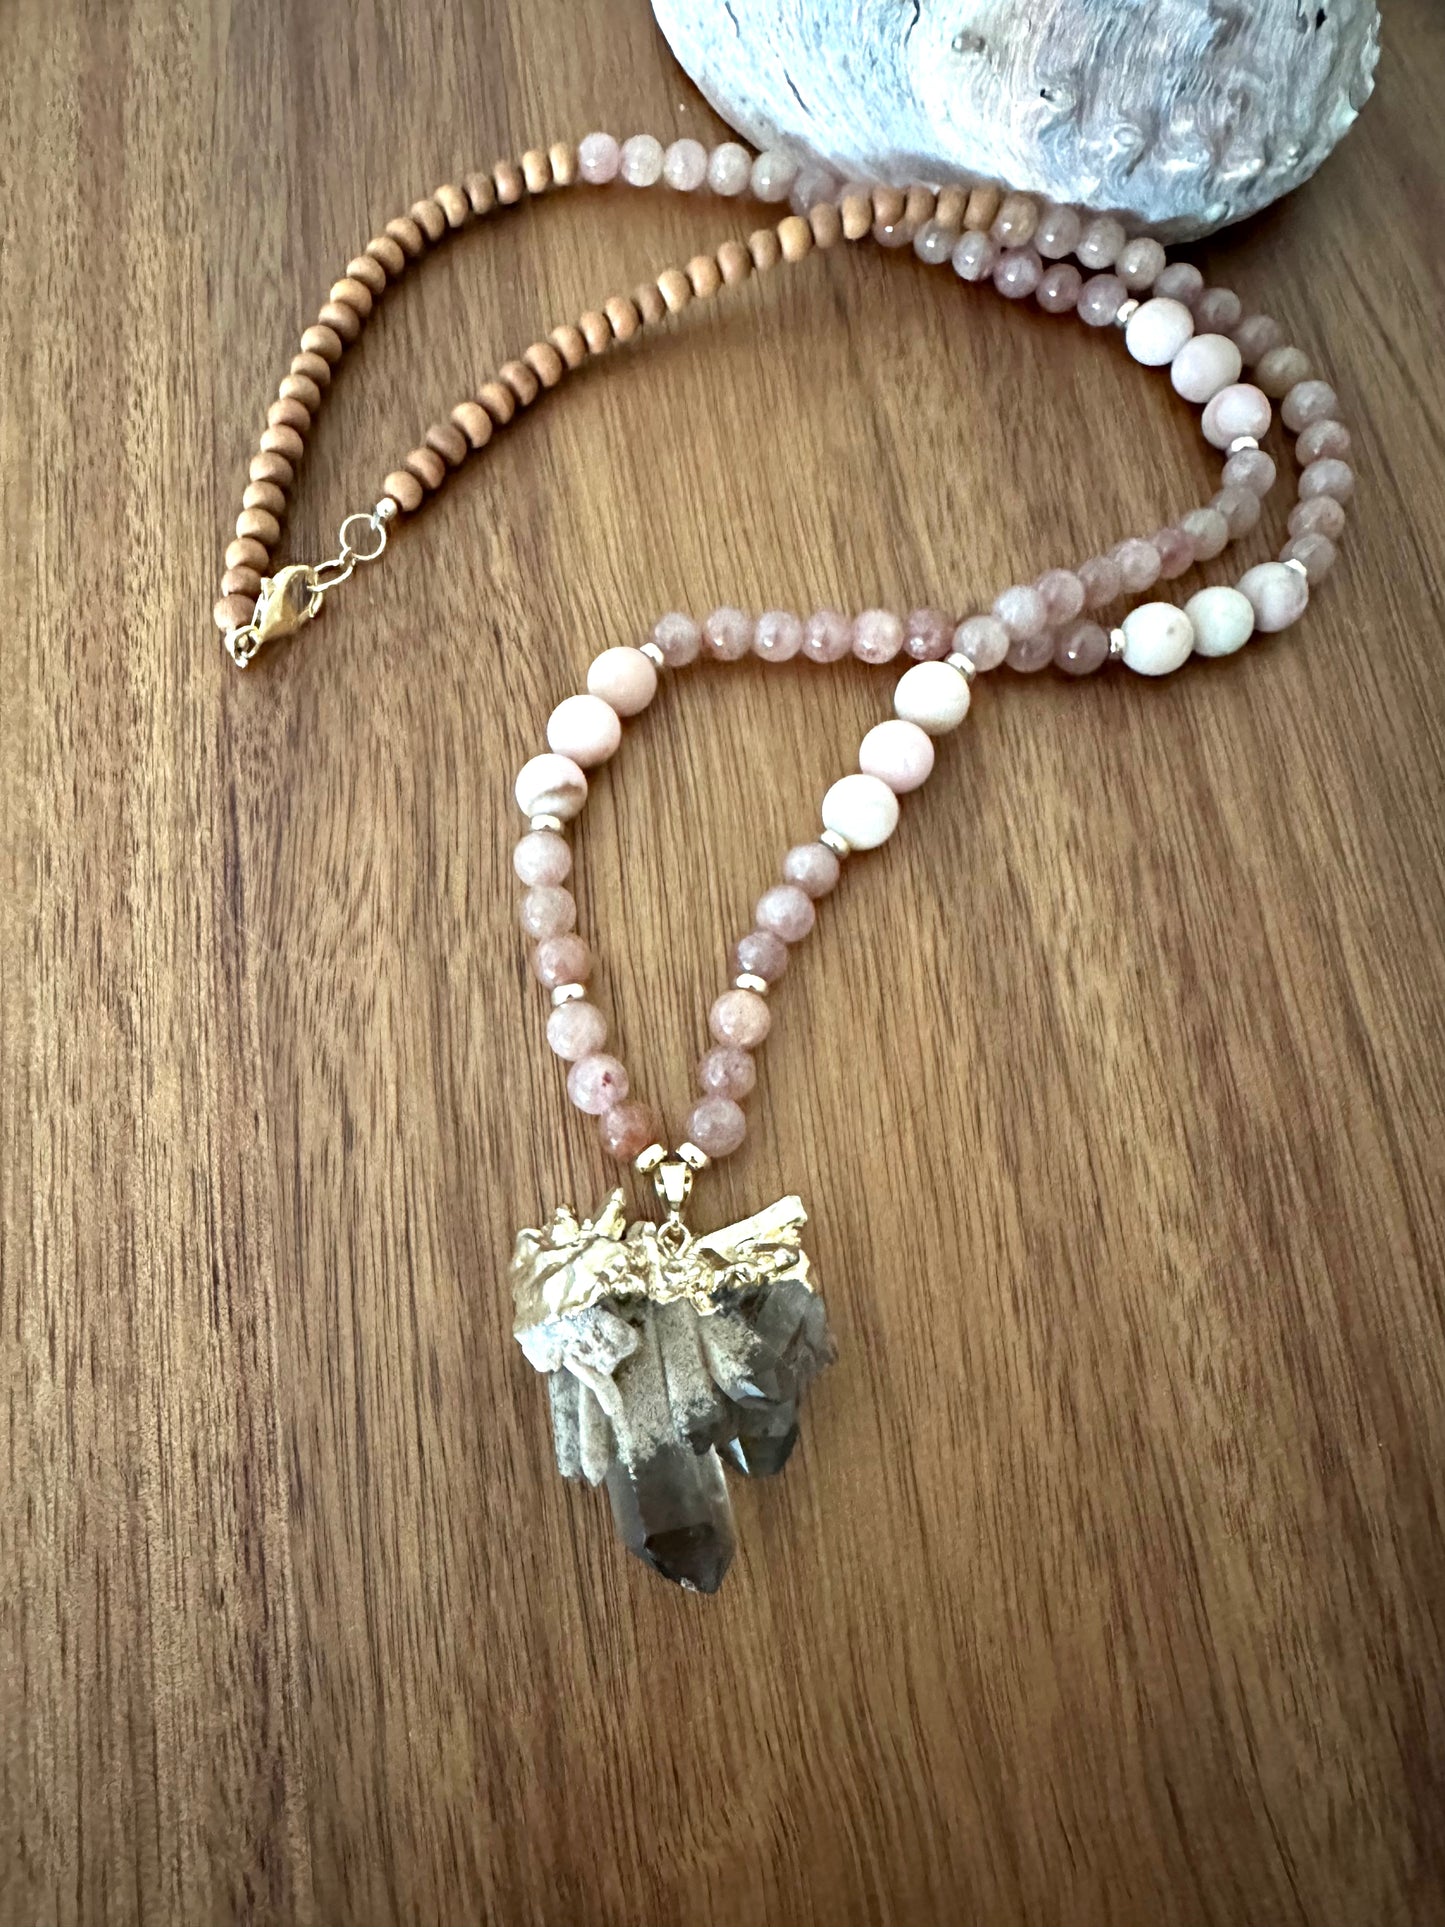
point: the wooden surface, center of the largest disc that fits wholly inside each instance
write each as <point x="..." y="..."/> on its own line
<point x="1106" y="1586"/>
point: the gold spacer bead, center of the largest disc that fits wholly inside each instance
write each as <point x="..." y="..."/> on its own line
<point x="654" y="655"/>
<point x="568" y="994"/>
<point x="750" y="980"/>
<point x="1118" y="642"/>
<point x="1241" y="443"/>
<point x="1298" y="566"/>
<point x="839" y="845"/>
<point x="647" y="1161"/>
<point x="691" y="1156"/>
<point x="1127" y="311"/>
<point x="963" y="665"/>
<point x="547" y="822"/>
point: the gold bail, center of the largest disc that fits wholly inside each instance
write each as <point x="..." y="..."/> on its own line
<point x="674" y="1183"/>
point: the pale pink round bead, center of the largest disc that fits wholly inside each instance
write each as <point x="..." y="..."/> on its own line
<point x="729" y="168"/>
<point x="1014" y="224"/>
<point x="625" y="678"/>
<point x="597" y="158"/>
<point x="1138" y="562"/>
<point x="1081" y="649"/>
<point x="787" y="911"/>
<point x="1140" y="263"/>
<point x="877" y="635"/>
<point x="813" y="186"/>
<point x="1323" y="515"/>
<point x="1217" y="310"/>
<point x="1203" y="366"/>
<point x="777" y="636"/>
<point x="1240" y="509"/>
<point x="547" y="910"/>
<point x="1208" y="533"/>
<point x="1180" y="281"/>
<point x="983" y="639"/>
<point x="584" y="728"/>
<point x="717" y="1125"/>
<point x="1327" y="477"/>
<point x="1255" y="336"/>
<point x="1176" y="552"/>
<point x="1317" y="552"/>
<point x="562" y="960"/>
<point x="678" y="638"/>
<point x="1063" y="594"/>
<point x="1240" y="409"/>
<point x="1324" y="440"/>
<point x="893" y="234"/>
<point x="813" y="867"/>
<point x="898" y="753"/>
<point x="927" y="634"/>
<point x="1017" y="272"/>
<point x="684" y="165"/>
<point x="773" y="175"/>
<point x="542" y="857"/>
<point x="1059" y="288"/>
<point x="761" y="953"/>
<point x="1279" y="369"/>
<point x="1278" y="595"/>
<point x="974" y="257"/>
<point x="1306" y="402"/>
<point x="1102" y="581"/>
<point x="596" y="1083"/>
<point x="1100" y="300"/>
<point x="576" y="1030"/>
<point x="640" y="163"/>
<point x="727" y="1072"/>
<point x="627" y="1130"/>
<point x="1029" y="654"/>
<point x="1021" y="610"/>
<point x="827" y="636"/>
<point x="1251" y="468"/>
<point x="1100" y="242"/>
<point x="740" y="1018"/>
<point x="727" y="634"/>
<point x="1057" y="233"/>
<point x="934" y="243"/>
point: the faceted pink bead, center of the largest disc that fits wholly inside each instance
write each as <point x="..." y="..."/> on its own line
<point x="983" y="639"/>
<point x="1327" y="477"/>
<point x="927" y="634"/>
<point x="1017" y="272"/>
<point x="1240" y="409"/>
<point x="547" y="910"/>
<point x="1180" y="281"/>
<point x="813" y="867"/>
<point x="1029" y="654"/>
<point x="1240" y="508"/>
<point x="1317" y="553"/>
<point x="684" y="165"/>
<point x="934" y="243"/>
<point x="1176" y="552"/>
<point x="1059" y="288"/>
<point x="1102" y="581"/>
<point x="741" y="1018"/>
<point x="1278" y="593"/>
<point x="1306" y="402"/>
<point x="727" y="1072"/>
<point x="1140" y="264"/>
<point x="678" y="637"/>
<point x="627" y="1130"/>
<point x="1279" y="369"/>
<point x="762" y="953"/>
<point x="1208" y="533"/>
<point x="729" y="168"/>
<point x="1324" y="440"/>
<point x="596" y="1083"/>
<point x="598" y="156"/>
<point x="827" y="636"/>
<point x="1251" y="468"/>
<point x="543" y="857"/>
<point x="576" y="1030"/>
<point x="717" y="1125"/>
<point x="1100" y="300"/>
<point x="1057" y="233"/>
<point x="640" y="163"/>
<point x="899" y="754"/>
<point x="974" y="257"/>
<point x="1021" y="610"/>
<point x="562" y="960"/>
<point x="1063" y="595"/>
<point x="727" y="634"/>
<point x="1256" y="335"/>
<point x="1217" y="311"/>
<point x="787" y="911"/>
<point x="1138" y="564"/>
<point x="877" y="636"/>
<point x="778" y="636"/>
<point x="1100" y="242"/>
<point x="1015" y="221"/>
<point x="1081" y="649"/>
<point x="1321" y="516"/>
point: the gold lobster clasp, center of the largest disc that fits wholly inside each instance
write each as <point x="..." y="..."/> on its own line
<point x="292" y="596"/>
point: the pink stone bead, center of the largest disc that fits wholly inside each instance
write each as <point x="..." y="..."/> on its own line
<point x="1278" y="595"/>
<point x="562" y="960"/>
<point x="1326" y="477"/>
<point x="1208" y="533"/>
<point x="813" y="867"/>
<point x="1100" y="300"/>
<point x="1100" y="242"/>
<point x="899" y="754"/>
<point x="640" y="162"/>
<point x="1102" y="581"/>
<point x="1323" y="515"/>
<point x="678" y="637"/>
<point x="761" y="953"/>
<point x="598" y="156"/>
<point x="1138" y="562"/>
<point x="727" y="1072"/>
<point x="934" y="243"/>
<point x="1140" y="263"/>
<point x="1017" y="272"/>
<point x="787" y="911"/>
<point x="1240" y="508"/>
<point x="729" y="168"/>
<point x="1176" y="552"/>
<point x="827" y="636"/>
<point x="576" y="1030"/>
<point x="1317" y="552"/>
<point x="1057" y="233"/>
<point x="974" y="257"/>
<point x="877" y="636"/>
<point x="740" y="1018"/>
<point x="927" y="634"/>
<point x="773" y="174"/>
<point x="625" y="678"/>
<point x="1324" y="440"/>
<point x="627" y="1130"/>
<point x="1280" y="369"/>
<point x="717" y="1125"/>
<point x="1217" y="310"/>
<point x="727" y="634"/>
<point x="1029" y="654"/>
<point x="1081" y="649"/>
<point x="1240" y="409"/>
<point x="1014" y="224"/>
<point x="1204" y="365"/>
<point x="547" y="910"/>
<point x="1251" y="468"/>
<point x="684" y="165"/>
<point x="1256" y="335"/>
<point x="542" y="857"/>
<point x="777" y="636"/>
<point x="1306" y="402"/>
<point x="1180" y="281"/>
<point x="1021" y="610"/>
<point x="596" y="1083"/>
<point x="584" y="728"/>
<point x="983" y="639"/>
<point x="1063" y="594"/>
<point x="1059" y="288"/>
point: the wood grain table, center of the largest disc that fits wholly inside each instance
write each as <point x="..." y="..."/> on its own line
<point x="1106" y="1586"/>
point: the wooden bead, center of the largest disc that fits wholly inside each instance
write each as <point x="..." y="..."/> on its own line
<point x="388" y="253"/>
<point x="371" y="274"/>
<point x="449" y="442"/>
<point x="536" y="171"/>
<point x="318" y="339"/>
<point x="408" y="236"/>
<point x="622" y="317"/>
<point x="918" y="205"/>
<point x="246" y="553"/>
<point x="260" y="523"/>
<point x="283" y="441"/>
<point x="545" y="363"/>
<point x="405" y="490"/>
<point x="288" y="414"/>
<point x="430" y="217"/>
<point x="563" y="158"/>
<point x="314" y="367"/>
<point x="596" y="331"/>
<point x="952" y="204"/>
<point x="454" y="204"/>
<point x="734" y="262"/>
<point x="522" y="382"/>
<point x="888" y="205"/>
<point x="233" y="612"/>
<point x="826" y="223"/>
<point x="271" y="467"/>
<point x="241" y="581"/>
<point x="301" y="388"/>
<point x="856" y="211"/>
<point x="427" y="466"/>
<point x="675" y="289"/>
<point x="649" y="303"/>
<point x="982" y="209"/>
<point x="474" y="422"/>
<point x="498" y="400"/>
<point x="765" y="248"/>
<point x="567" y="338"/>
<point x="704" y="276"/>
<point x="509" y="183"/>
<point x="341" y="319"/>
<point x="795" y="238"/>
<point x="264" y="495"/>
<point x="481" y="191"/>
<point x="356" y="294"/>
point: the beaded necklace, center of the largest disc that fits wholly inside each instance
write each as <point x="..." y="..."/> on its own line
<point x="666" y="1350"/>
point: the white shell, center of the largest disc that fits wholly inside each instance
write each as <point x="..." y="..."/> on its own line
<point x="861" y="809"/>
<point x="1181" y="115"/>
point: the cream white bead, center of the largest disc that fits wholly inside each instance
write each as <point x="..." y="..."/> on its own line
<point x="626" y="678"/>
<point x="862" y="810"/>
<point x="584" y="728"/>
<point x="1157" y="330"/>
<point x="1158" y="637"/>
<point x="933" y="696"/>
<point x="1204" y="365"/>
<point x="1223" y="621"/>
<point x="551" y="786"/>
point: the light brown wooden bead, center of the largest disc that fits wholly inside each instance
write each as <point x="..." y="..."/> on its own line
<point x="354" y="293"/>
<point x="405" y="490"/>
<point x="596" y="331"/>
<point x="857" y="213"/>
<point x="675" y="289"/>
<point x="498" y="400"/>
<point x="735" y="264"/>
<point x="795" y="238"/>
<point x="765" y="248"/>
<point x="430" y="217"/>
<point x="260" y="523"/>
<point x="427" y="466"/>
<point x="449" y="442"/>
<point x="247" y="553"/>
<point x="562" y="156"/>
<point x="536" y="171"/>
<point x="318" y="339"/>
<point x="704" y="276"/>
<point x="241" y="581"/>
<point x="474" y="422"/>
<point x="826" y="223"/>
<point x="264" y="495"/>
<point x="888" y="205"/>
<point x="370" y="273"/>
<point x="952" y="204"/>
<point x="271" y="467"/>
<point x="509" y="181"/>
<point x="341" y="319"/>
<point x="233" y="612"/>
<point x="982" y="209"/>
<point x="918" y="206"/>
<point x="314" y="367"/>
<point x="283" y="441"/>
<point x="622" y="316"/>
<point x="649" y="303"/>
<point x="521" y="380"/>
<point x="388" y="253"/>
<point x="567" y="338"/>
<point x="288" y="414"/>
<point x="481" y="191"/>
<point x="408" y="236"/>
<point x="454" y="204"/>
<point x="303" y="389"/>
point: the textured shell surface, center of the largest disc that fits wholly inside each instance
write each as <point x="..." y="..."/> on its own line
<point x="1180" y="115"/>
